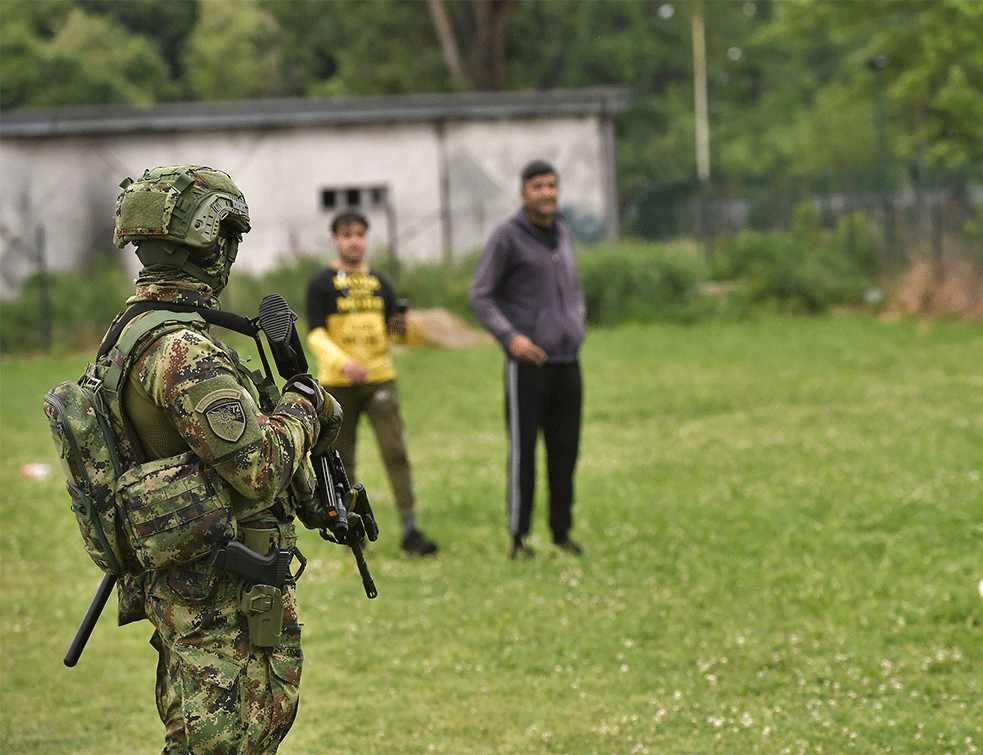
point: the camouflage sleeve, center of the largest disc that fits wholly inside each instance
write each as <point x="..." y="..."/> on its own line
<point x="196" y="384"/>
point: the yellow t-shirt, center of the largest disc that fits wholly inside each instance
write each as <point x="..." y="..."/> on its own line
<point x="347" y="314"/>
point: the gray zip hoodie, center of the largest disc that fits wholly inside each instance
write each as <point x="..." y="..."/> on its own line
<point x="522" y="286"/>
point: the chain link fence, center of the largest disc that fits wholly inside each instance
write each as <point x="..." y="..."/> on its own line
<point x="918" y="214"/>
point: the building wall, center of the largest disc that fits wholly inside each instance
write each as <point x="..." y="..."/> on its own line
<point x="485" y="160"/>
<point x="433" y="188"/>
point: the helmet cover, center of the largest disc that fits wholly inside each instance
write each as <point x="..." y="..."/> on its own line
<point x="184" y="204"/>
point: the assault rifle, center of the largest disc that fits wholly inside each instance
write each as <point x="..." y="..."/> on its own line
<point x="341" y="513"/>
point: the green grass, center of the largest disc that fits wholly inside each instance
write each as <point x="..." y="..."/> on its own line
<point x="782" y="524"/>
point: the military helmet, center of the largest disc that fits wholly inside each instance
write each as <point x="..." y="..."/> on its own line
<point x="189" y="217"/>
<point x="186" y="204"/>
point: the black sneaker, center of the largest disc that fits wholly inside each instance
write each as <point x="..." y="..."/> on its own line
<point x="415" y="543"/>
<point x="524" y="552"/>
<point x="569" y="546"/>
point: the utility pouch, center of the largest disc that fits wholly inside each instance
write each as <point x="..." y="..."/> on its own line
<point x="263" y="606"/>
<point x="175" y="510"/>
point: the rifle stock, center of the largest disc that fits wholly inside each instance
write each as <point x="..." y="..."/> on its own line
<point x="103" y="592"/>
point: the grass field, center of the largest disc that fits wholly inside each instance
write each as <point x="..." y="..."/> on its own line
<point x="783" y="528"/>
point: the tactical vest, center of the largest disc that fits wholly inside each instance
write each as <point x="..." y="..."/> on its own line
<point x="134" y="514"/>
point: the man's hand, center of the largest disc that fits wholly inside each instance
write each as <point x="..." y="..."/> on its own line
<point x="525" y="350"/>
<point x="329" y="414"/>
<point x="354" y="371"/>
<point x="397" y="324"/>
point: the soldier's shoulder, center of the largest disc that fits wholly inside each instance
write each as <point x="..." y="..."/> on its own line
<point x="175" y="345"/>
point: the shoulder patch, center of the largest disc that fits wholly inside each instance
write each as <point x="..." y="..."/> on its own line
<point x="224" y="413"/>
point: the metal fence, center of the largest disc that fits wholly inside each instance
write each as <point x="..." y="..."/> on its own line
<point x="916" y="213"/>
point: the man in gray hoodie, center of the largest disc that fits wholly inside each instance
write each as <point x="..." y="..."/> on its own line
<point x="527" y="293"/>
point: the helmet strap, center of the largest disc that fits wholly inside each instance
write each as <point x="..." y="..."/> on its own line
<point x="169" y="254"/>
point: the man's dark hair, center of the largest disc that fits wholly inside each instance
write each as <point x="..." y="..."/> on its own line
<point x="537" y="168"/>
<point x="347" y="218"/>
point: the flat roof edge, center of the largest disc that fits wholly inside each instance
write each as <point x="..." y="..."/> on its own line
<point x="293" y="112"/>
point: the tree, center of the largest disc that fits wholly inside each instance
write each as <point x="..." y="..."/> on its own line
<point x="934" y="72"/>
<point x="481" y="26"/>
<point x="166" y="22"/>
<point x="789" y="89"/>
<point x="233" y="53"/>
<point x="69" y="57"/>
<point x="344" y="48"/>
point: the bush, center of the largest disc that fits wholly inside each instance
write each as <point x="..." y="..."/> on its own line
<point x="429" y="284"/>
<point x="640" y="282"/>
<point x="632" y="281"/>
<point x="855" y="237"/>
<point x="288" y="278"/>
<point x="82" y="305"/>
<point x="790" y="273"/>
<point x="437" y="284"/>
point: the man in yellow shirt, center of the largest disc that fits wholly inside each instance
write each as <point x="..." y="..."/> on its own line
<point x="351" y="309"/>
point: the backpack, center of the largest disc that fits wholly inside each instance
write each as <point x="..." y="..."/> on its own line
<point x="180" y="508"/>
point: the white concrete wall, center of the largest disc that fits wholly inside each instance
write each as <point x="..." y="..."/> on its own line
<point x="485" y="160"/>
<point x="70" y="184"/>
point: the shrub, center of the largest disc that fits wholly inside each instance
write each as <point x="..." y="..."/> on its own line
<point x="855" y="237"/>
<point x="288" y="278"/>
<point x="437" y="284"/>
<point x="640" y="282"/>
<point x="632" y="281"/>
<point x="790" y="273"/>
<point x="82" y="304"/>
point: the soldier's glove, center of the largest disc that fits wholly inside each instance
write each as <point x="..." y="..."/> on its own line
<point x="330" y="416"/>
<point x="328" y="410"/>
<point x="308" y="387"/>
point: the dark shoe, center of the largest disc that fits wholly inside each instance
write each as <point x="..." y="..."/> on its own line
<point x="569" y="546"/>
<point x="524" y="552"/>
<point x="415" y="543"/>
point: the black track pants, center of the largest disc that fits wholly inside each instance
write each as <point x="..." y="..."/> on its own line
<point x="548" y="398"/>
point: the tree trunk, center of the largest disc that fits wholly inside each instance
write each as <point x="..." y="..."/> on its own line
<point x="482" y="32"/>
<point x="448" y="43"/>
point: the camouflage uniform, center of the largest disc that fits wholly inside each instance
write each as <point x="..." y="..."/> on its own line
<point x="216" y="693"/>
<point x="185" y="394"/>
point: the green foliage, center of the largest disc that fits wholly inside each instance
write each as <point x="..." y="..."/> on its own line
<point x="164" y="22"/>
<point x="82" y="305"/>
<point x="288" y="278"/>
<point x="934" y="70"/>
<point x="640" y="282"/>
<point x="634" y="281"/>
<point x="242" y="32"/>
<point x="855" y="237"/>
<point x="76" y="58"/>
<point x="789" y="89"/>
<point x="425" y="284"/>
<point x="337" y="48"/>
<point x="435" y="284"/>
<point x="808" y="271"/>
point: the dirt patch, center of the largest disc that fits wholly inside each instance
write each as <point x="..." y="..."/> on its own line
<point x="956" y="291"/>
<point x="441" y="328"/>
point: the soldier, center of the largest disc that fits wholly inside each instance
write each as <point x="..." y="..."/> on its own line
<point x="218" y="691"/>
